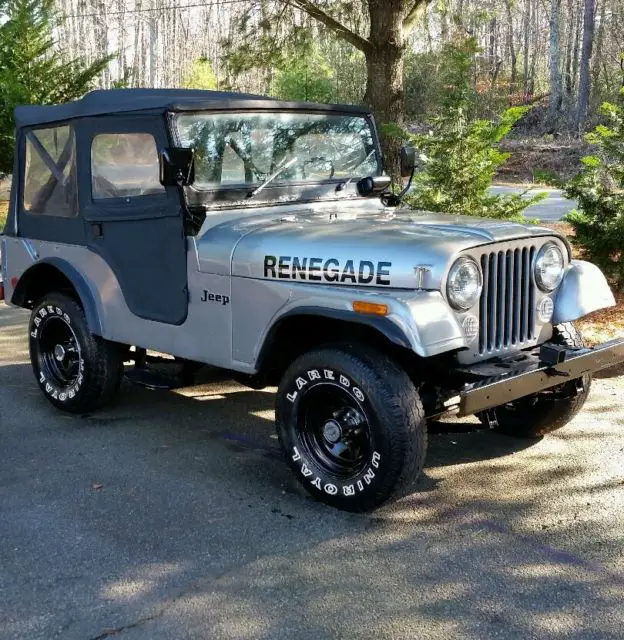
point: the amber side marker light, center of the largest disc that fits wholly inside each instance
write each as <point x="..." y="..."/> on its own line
<point x="371" y="308"/>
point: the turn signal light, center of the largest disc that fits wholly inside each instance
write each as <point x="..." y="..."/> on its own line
<point x="1" y="292"/>
<point x="359" y="306"/>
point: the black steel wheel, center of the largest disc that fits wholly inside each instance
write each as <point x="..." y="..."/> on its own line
<point x="59" y="352"/>
<point x="352" y="426"/>
<point x="335" y="430"/>
<point x="76" y="370"/>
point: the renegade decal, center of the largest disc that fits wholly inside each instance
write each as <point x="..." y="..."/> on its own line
<point x="328" y="270"/>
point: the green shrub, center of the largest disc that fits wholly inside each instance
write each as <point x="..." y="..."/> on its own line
<point x="599" y="190"/>
<point x="460" y="154"/>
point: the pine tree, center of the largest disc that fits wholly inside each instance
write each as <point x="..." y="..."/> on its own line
<point x="599" y="190"/>
<point x="32" y="68"/>
<point x="460" y="154"/>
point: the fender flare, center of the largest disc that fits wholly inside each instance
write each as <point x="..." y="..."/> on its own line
<point x="77" y="280"/>
<point x="584" y="289"/>
<point x="382" y="324"/>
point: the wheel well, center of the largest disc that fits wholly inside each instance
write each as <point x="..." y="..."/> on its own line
<point x="40" y="280"/>
<point x="295" y="335"/>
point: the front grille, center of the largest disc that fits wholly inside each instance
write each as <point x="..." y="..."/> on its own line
<point x="508" y="299"/>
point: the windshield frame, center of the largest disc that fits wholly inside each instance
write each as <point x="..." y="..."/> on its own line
<point x="311" y="188"/>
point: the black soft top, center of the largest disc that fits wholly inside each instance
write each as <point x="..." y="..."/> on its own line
<point x="105" y="101"/>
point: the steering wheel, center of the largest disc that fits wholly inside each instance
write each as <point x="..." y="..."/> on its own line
<point x="319" y="159"/>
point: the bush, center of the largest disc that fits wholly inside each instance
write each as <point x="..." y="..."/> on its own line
<point x="460" y="154"/>
<point x="599" y="190"/>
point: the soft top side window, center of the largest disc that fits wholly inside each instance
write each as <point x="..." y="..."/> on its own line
<point x="124" y="165"/>
<point x="50" y="186"/>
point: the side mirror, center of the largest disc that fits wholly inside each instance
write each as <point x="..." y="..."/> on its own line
<point x="408" y="160"/>
<point x="177" y="166"/>
<point x="373" y="185"/>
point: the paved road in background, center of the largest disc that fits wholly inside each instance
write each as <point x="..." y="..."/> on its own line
<point x="172" y="516"/>
<point x="551" y="209"/>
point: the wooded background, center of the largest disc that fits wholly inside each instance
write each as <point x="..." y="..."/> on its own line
<point x="562" y="54"/>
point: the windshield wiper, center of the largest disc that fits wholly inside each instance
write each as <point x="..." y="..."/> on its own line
<point x="278" y="171"/>
<point x="344" y="185"/>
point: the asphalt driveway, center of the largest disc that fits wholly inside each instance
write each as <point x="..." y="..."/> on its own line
<point x="552" y="209"/>
<point x="171" y="515"/>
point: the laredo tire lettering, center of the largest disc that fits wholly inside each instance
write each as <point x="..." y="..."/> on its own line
<point x="347" y="490"/>
<point x="314" y="375"/>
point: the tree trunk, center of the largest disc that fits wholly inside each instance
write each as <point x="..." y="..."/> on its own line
<point x="589" y="20"/>
<point x="384" y="64"/>
<point x="569" y="82"/>
<point x="598" y="53"/>
<point x="512" y="49"/>
<point x="527" y="41"/>
<point x="555" y="69"/>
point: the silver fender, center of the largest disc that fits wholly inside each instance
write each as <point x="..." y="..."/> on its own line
<point x="584" y="289"/>
<point x="420" y="321"/>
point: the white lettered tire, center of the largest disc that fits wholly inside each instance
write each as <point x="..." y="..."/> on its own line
<point x="76" y="371"/>
<point x="352" y="426"/>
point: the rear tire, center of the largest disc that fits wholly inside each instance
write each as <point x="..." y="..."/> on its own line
<point x="545" y="412"/>
<point x="76" y="371"/>
<point x="352" y="426"/>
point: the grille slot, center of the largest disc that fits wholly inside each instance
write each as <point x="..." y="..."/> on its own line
<point x="507" y="300"/>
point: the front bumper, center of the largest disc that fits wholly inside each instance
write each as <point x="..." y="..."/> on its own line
<point x="547" y="367"/>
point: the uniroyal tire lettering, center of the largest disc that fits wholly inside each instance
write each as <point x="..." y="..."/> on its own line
<point x="329" y="374"/>
<point x="301" y="382"/>
<point x="66" y="318"/>
<point x="358" y="394"/>
<point x="313" y="374"/>
<point x="305" y="470"/>
<point x="50" y="308"/>
<point x="348" y="490"/>
<point x="42" y="377"/>
<point x="317" y="483"/>
<point x="37" y="321"/>
<point x="360" y="486"/>
<point x="344" y="381"/>
<point x="297" y="455"/>
<point x="368" y="476"/>
<point x="375" y="460"/>
<point x="292" y="396"/>
<point x="71" y="394"/>
<point x="330" y="489"/>
<point x="62" y="397"/>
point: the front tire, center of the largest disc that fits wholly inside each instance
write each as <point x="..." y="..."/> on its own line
<point x="547" y="411"/>
<point x="76" y="371"/>
<point x="352" y="426"/>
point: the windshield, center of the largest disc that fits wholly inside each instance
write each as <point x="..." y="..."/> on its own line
<point x="246" y="148"/>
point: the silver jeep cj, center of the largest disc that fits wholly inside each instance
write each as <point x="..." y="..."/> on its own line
<point x="260" y="237"/>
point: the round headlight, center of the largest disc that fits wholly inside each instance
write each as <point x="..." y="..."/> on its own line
<point x="464" y="284"/>
<point x="549" y="267"/>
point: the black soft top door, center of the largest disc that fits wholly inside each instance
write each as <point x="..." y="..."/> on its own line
<point x="133" y="221"/>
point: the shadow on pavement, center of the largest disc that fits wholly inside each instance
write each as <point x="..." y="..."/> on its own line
<point x="170" y="515"/>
